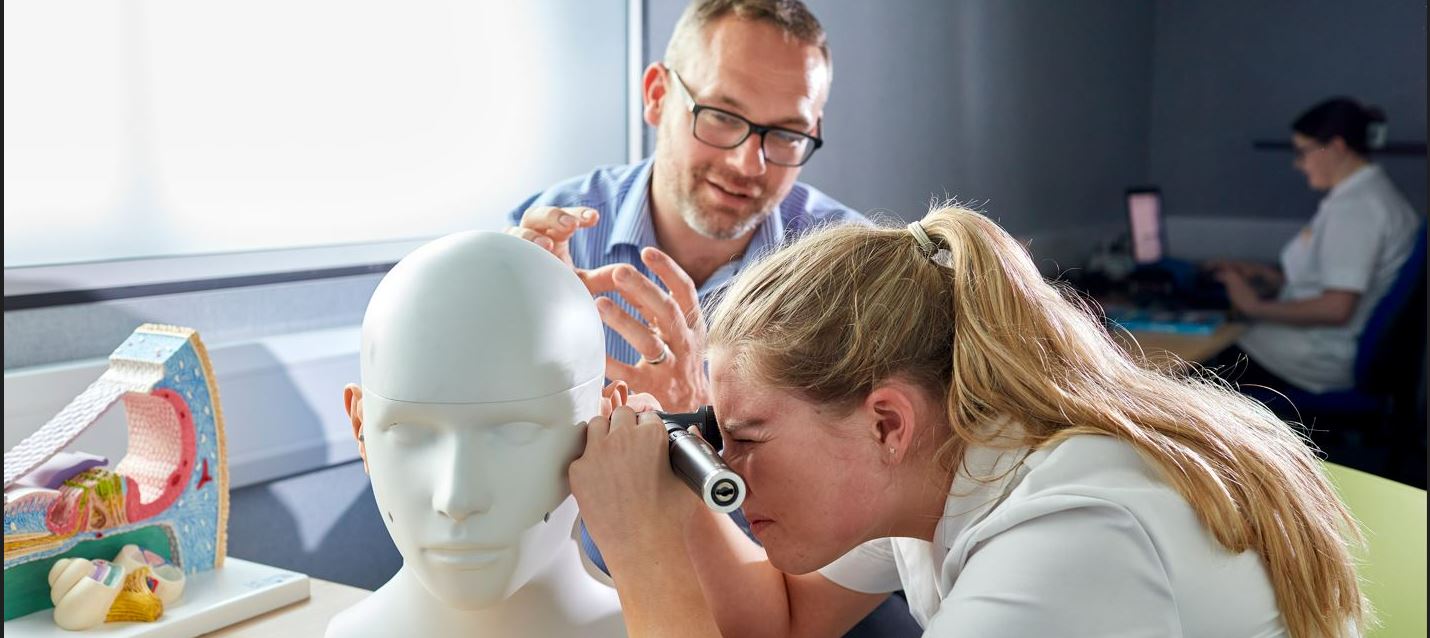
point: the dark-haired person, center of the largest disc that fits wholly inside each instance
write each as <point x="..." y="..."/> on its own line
<point x="1334" y="271"/>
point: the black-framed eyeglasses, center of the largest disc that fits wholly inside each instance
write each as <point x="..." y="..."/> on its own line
<point x="723" y="129"/>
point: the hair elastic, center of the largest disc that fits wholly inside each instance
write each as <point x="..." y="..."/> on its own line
<point x="925" y="244"/>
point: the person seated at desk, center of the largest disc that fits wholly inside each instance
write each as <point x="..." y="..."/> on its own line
<point x="1309" y="313"/>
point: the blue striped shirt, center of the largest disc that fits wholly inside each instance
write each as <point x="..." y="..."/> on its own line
<point x="621" y="194"/>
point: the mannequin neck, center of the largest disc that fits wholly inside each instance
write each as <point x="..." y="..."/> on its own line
<point x="564" y="599"/>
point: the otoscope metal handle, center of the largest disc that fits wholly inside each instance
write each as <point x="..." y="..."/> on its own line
<point x="699" y="465"/>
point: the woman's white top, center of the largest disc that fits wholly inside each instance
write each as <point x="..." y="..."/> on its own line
<point x="1359" y="238"/>
<point x="1084" y="539"/>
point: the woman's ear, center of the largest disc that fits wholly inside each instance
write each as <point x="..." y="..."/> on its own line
<point x="352" y="402"/>
<point x="892" y="406"/>
<point x="1338" y="144"/>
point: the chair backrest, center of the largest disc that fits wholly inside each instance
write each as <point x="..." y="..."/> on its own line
<point x="1392" y="569"/>
<point x="1391" y="345"/>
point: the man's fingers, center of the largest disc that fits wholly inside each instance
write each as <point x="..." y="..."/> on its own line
<point x="558" y="223"/>
<point x="532" y="236"/>
<point x="681" y="287"/>
<point x="658" y="308"/>
<point x="600" y="280"/>
<point x="635" y="333"/>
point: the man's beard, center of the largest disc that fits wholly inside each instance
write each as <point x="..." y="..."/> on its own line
<point x="719" y="222"/>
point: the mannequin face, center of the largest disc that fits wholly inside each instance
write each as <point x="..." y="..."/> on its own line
<point x="463" y="488"/>
<point x="481" y="354"/>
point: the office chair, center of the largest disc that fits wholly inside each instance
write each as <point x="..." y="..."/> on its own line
<point x="1392" y="563"/>
<point x="1382" y="405"/>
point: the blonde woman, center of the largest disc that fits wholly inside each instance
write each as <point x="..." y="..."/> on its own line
<point x="917" y="409"/>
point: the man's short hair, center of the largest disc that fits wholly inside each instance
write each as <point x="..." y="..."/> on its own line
<point x="790" y="16"/>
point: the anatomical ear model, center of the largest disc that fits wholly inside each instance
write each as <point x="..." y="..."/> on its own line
<point x="168" y="497"/>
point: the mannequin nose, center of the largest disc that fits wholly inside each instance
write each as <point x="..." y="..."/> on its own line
<point x="462" y="486"/>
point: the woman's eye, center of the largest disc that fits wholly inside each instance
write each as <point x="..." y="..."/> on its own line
<point x="742" y="443"/>
<point x="519" y="433"/>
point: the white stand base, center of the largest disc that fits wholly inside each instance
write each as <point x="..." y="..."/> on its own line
<point x="212" y="600"/>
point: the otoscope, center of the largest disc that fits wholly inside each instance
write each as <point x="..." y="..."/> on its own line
<point x="696" y="461"/>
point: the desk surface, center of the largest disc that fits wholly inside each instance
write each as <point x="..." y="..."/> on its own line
<point x="1189" y="347"/>
<point x="305" y="618"/>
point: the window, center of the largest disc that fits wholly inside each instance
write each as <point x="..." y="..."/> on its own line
<point x="141" y="129"/>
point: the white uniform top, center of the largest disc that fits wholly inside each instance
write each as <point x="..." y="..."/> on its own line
<point x="1360" y="237"/>
<point x="1084" y="539"/>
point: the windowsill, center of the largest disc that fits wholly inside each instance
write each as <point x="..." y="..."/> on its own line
<point x="43" y="286"/>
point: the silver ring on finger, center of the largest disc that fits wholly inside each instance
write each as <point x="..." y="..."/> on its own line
<point x="664" y="354"/>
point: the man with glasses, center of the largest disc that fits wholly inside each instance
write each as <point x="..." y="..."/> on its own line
<point x="737" y="105"/>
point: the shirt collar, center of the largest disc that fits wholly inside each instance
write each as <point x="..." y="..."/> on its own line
<point x="1362" y="174"/>
<point x="633" y="226"/>
<point x="768" y="235"/>
<point x="982" y="481"/>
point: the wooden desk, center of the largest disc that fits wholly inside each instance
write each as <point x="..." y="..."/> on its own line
<point x="1197" y="348"/>
<point x="306" y="618"/>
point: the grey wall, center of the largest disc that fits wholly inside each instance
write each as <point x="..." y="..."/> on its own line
<point x="1047" y="110"/>
<point x="1038" y="108"/>
<point x="324" y="524"/>
<point x="1226" y="72"/>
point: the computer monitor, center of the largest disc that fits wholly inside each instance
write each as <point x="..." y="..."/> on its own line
<point x="1144" y="218"/>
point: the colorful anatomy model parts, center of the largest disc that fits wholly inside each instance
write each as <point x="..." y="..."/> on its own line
<point x="168" y="495"/>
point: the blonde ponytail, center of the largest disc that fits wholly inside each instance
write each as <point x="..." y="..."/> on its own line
<point x="974" y="323"/>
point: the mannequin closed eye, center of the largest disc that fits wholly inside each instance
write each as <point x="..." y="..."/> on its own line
<point x="410" y="433"/>
<point x="519" y="433"/>
<point x="515" y="433"/>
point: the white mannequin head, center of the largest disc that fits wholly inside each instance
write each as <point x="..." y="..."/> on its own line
<point x="481" y="352"/>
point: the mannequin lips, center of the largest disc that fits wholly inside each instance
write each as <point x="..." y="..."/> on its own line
<point x="465" y="556"/>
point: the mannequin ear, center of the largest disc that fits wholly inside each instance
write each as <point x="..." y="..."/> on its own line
<point x="352" y="402"/>
<point x="892" y="408"/>
<point x="653" y="91"/>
